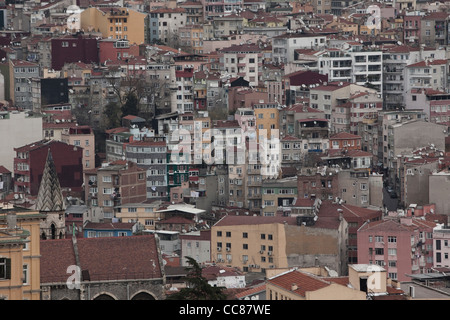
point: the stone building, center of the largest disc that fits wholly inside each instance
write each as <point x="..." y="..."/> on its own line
<point x="128" y="268"/>
<point x="50" y="201"/>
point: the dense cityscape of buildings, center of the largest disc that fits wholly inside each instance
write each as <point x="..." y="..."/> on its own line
<point x="297" y="150"/>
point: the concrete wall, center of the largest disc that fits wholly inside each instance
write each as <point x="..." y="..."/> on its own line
<point x="439" y="190"/>
<point x="20" y="130"/>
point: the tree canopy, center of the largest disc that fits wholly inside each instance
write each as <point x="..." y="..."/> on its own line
<point x="198" y="287"/>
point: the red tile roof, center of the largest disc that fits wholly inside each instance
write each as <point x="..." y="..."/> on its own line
<point x="254" y="220"/>
<point x="344" y="135"/>
<point x="303" y="282"/>
<point x="110" y="258"/>
<point x="426" y="63"/>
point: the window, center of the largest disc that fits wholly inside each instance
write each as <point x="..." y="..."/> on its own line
<point x="263" y="236"/>
<point x="379" y="251"/>
<point x="392" y="239"/>
<point x="5" y="268"/>
<point x="25" y="274"/>
<point x="219" y="233"/>
<point x="245" y="235"/>
<point x="228" y="234"/>
<point x="392" y="251"/>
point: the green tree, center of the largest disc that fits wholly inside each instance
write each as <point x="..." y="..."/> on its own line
<point x="113" y="114"/>
<point x="131" y="106"/>
<point x="198" y="287"/>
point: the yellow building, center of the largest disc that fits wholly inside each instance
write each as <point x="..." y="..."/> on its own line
<point x="115" y="23"/>
<point x="19" y="254"/>
<point x="267" y="117"/>
<point x="144" y="213"/>
<point x="258" y="243"/>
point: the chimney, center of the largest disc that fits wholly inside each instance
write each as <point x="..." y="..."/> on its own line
<point x="341" y="214"/>
<point x="11" y="220"/>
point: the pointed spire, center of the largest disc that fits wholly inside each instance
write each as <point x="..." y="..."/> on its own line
<point x="50" y="197"/>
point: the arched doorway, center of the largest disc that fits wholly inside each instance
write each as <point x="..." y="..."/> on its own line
<point x="143" y="296"/>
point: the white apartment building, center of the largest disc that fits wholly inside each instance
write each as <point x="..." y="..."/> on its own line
<point x="243" y="61"/>
<point x="395" y="60"/>
<point x="283" y="46"/>
<point x="441" y="246"/>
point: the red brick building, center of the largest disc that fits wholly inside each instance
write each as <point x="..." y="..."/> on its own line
<point x="73" y="49"/>
<point x="30" y="161"/>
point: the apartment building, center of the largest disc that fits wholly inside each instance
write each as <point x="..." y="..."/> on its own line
<point x="184" y="94"/>
<point x="440" y="237"/>
<point x="318" y="183"/>
<point x="21" y="73"/>
<point x="151" y="155"/>
<point x="428" y="73"/>
<point x="361" y="188"/>
<point x="291" y="151"/>
<point x="258" y="243"/>
<point x="315" y="134"/>
<point x="327" y="96"/>
<point x="145" y="213"/>
<point x="385" y="119"/>
<point x="434" y="103"/>
<point x="82" y="136"/>
<point x="267" y="118"/>
<point x="212" y="9"/>
<point x="244" y="60"/>
<point x="165" y="22"/>
<point x="290" y="115"/>
<point x="277" y="193"/>
<point x="400" y="142"/>
<point x="115" y="23"/>
<point x="114" y="184"/>
<point x="399" y="245"/>
<point x="414" y="171"/>
<point x="284" y="45"/>
<point x="29" y="164"/>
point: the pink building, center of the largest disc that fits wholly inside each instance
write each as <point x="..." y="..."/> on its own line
<point x="113" y="49"/>
<point x="82" y="136"/>
<point x="402" y="246"/>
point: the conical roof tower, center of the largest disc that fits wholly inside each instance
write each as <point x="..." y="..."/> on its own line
<point x="50" y="197"/>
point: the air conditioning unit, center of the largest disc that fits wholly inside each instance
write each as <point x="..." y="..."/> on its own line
<point x="262" y="251"/>
<point x="228" y="249"/>
<point x="219" y="249"/>
<point x="269" y="253"/>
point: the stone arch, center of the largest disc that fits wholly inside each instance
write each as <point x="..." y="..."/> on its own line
<point x="143" y="295"/>
<point x="104" y="296"/>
